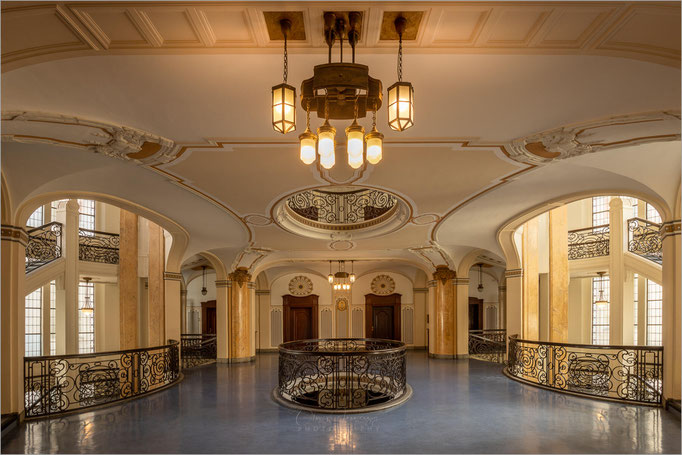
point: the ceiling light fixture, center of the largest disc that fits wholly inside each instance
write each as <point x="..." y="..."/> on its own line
<point x="204" y="291"/>
<point x="601" y="300"/>
<point x="88" y="307"/>
<point x="341" y="280"/>
<point x="342" y="91"/>
<point x="480" y="277"/>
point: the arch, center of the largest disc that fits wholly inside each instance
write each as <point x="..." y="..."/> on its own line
<point x="218" y="266"/>
<point x="6" y="201"/>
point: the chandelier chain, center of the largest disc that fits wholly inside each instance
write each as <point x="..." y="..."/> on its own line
<point x="400" y="58"/>
<point x="286" y="60"/>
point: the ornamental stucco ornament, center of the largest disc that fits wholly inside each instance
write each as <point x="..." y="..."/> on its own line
<point x="300" y="285"/>
<point x="383" y="285"/>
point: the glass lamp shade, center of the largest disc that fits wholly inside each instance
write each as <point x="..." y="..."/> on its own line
<point x="307" y="140"/>
<point x="204" y="291"/>
<point x="356" y="144"/>
<point x="87" y="309"/>
<point x="87" y="305"/>
<point x="375" y="145"/>
<point x="400" y="106"/>
<point x="326" y="144"/>
<point x="283" y="108"/>
<point x="330" y="277"/>
<point x="352" y="278"/>
<point x="601" y="301"/>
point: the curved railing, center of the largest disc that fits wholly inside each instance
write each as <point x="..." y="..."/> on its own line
<point x="588" y="242"/>
<point x="489" y="345"/>
<point x="98" y="246"/>
<point x="342" y="374"/>
<point x="644" y="239"/>
<point x="61" y="383"/>
<point x="198" y="349"/>
<point x="623" y="373"/>
<point x="44" y="245"/>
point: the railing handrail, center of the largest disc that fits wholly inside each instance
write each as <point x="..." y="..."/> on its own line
<point x="400" y="347"/>
<point x="645" y="221"/>
<point x="171" y="343"/>
<point x="488" y="340"/>
<point x="42" y="228"/>
<point x="487" y="330"/>
<point x="589" y="346"/>
<point x="111" y="234"/>
<point x="590" y="228"/>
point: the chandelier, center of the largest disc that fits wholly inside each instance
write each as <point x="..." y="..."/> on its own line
<point x="480" y="278"/>
<point x="87" y="298"/>
<point x="204" y="291"/>
<point x="601" y="300"/>
<point x="342" y="91"/>
<point x="341" y="280"/>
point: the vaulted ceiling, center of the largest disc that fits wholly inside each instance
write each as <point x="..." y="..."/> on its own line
<point x="167" y="105"/>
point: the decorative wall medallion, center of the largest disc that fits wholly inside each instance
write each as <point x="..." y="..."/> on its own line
<point x="342" y="304"/>
<point x="341" y="245"/>
<point x="300" y="285"/>
<point x="383" y="285"/>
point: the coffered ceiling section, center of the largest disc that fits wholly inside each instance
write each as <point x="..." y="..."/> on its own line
<point x="39" y="31"/>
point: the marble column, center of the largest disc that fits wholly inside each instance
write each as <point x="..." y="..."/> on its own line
<point x="173" y="305"/>
<point x="445" y="314"/>
<point x="558" y="275"/>
<point x="672" y="295"/>
<point x="616" y="271"/>
<point x="223" y="318"/>
<point x="502" y="307"/>
<point x="531" y="316"/>
<point x="183" y="308"/>
<point x="67" y="307"/>
<point x="462" y="317"/>
<point x="240" y="315"/>
<point x="156" y="321"/>
<point x="13" y="258"/>
<point x="127" y="280"/>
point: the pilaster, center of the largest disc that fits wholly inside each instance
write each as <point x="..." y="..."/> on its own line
<point x="558" y="275"/>
<point x="531" y="316"/>
<point x="223" y="318"/>
<point x="156" y="287"/>
<point x="616" y="271"/>
<point x="514" y="280"/>
<point x="127" y="279"/>
<point x="672" y="295"/>
<point x="173" y="302"/>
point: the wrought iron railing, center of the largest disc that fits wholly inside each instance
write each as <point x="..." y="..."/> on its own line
<point x="349" y="207"/>
<point x="588" y="242"/>
<point x="61" y="383"/>
<point x="489" y="345"/>
<point x="44" y="245"/>
<point x="342" y="374"/>
<point x="644" y="239"/>
<point x="198" y="349"/>
<point x="624" y="373"/>
<point x="98" y="246"/>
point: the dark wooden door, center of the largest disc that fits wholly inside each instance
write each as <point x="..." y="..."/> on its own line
<point x="475" y="313"/>
<point x="208" y="317"/>
<point x="300" y="317"/>
<point x="382" y="316"/>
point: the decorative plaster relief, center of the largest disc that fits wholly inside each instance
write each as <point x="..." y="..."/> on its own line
<point x="249" y="257"/>
<point x="300" y="285"/>
<point x="433" y="255"/>
<point x="383" y="285"/>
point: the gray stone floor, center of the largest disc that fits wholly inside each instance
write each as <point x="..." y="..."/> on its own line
<point x="457" y="407"/>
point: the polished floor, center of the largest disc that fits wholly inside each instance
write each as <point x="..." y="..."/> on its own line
<point x="463" y="406"/>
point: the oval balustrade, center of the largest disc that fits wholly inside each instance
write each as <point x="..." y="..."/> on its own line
<point x="342" y="375"/>
<point x="198" y="349"/>
<point x="488" y="345"/>
<point x="623" y="373"/>
<point x="62" y="383"/>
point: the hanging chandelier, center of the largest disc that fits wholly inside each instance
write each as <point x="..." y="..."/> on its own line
<point x="341" y="280"/>
<point x="204" y="291"/>
<point x="342" y="91"/>
<point x="88" y="307"/>
<point x="601" y="300"/>
<point x="480" y="278"/>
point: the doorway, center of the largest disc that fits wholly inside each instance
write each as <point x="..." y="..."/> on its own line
<point x="475" y="313"/>
<point x="382" y="316"/>
<point x="208" y="317"/>
<point x="300" y="317"/>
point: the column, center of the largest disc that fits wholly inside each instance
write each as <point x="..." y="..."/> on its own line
<point x="45" y="320"/>
<point x="462" y="317"/>
<point x="173" y="305"/>
<point x="641" y="310"/>
<point x="502" y="305"/>
<point x="155" y="304"/>
<point x="530" y="329"/>
<point x="670" y="234"/>
<point x="616" y="271"/>
<point x="127" y="280"/>
<point x="445" y="314"/>
<point x="558" y="275"/>
<point x="514" y="280"/>
<point x="629" y="308"/>
<point x="67" y="307"/>
<point x="13" y="259"/>
<point x="240" y="315"/>
<point x="223" y="318"/>
<point x="183" y="308"/>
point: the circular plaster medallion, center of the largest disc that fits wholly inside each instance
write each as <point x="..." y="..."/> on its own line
<point x="257" y="220"/>
<point x="383" y="285"/>
<point x="342" y="304"/>
<point x="300" y="285"/>
<point x="341" y="245"/>
<point x="427" y="218"/>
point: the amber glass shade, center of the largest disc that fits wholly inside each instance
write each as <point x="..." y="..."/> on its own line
<point x="355" y="134"/>
<point x="283" y="108"/>
<point x="308" y="152"/>
<point x="400" y="106"/>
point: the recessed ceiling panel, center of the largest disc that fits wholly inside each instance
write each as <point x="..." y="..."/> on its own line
<point x="414" y="19"/>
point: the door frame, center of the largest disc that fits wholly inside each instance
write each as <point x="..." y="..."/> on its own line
<point x="204" y="318"/>
<point x="291" y="301"/>
<point x="479" y="309"/>
<point x="372" y="300"/>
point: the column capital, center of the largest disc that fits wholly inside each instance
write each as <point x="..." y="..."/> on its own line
<point x="14" y="234"/>
<point x="443" y="273"/>
<point x="513" y="273"/>
<point x="172" y="276"/>
<point x="241" y="275"/>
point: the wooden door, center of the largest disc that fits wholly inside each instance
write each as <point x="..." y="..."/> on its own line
<point x="475" y="313"/>
<point x="300" y="317"/>
<point x="208" y="317"/>
<point x="382" y="316"/>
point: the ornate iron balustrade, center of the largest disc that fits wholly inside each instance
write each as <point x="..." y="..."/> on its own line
<point x="644" y="239"/>
<point x="336" y="208"/>
<point x="623" y="373"/>
<point x="97" y="246"/>
<point x="342" y="374"/>
<point x="588" y="242"/>
<point x="198" y="349"/>
<point x="44" y="245"/>
<point x="57" y="384"/>
<point x="489" y="345"/>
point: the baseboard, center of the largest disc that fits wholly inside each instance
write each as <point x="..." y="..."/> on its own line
<point x="237" y="360"/>
<point x="449" y="356"/>
<point x="267" y="350"/>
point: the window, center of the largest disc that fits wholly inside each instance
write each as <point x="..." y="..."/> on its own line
<point x="86" y="320"/>
<point x="33" y="304"/>
<point x="635" y="304"/>
<point x="600" y="313"/>
<point x="86" y="214"/>
<point x="600" y="210"/>
<point x="53" y="318"/>
<point x="36" y="218"/>
<point x="652" y="214"/>
<point x="654" y="314"/>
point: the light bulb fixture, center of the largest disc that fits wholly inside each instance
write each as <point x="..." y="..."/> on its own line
<point x="204" y="291"/>
<point x="375" y="142"/>
<point x="284" y="95"/>
<point x="480" y="278"/>
<point x="87" y="298"/>
<point x="601" y="300"/>
<point x="341" y="280"/>
<point x="400" y="94"/>
<point x="308" y="141"/>
<point x="352" y="273"/>
<point x="355" y="145"/>
<point x="326" y="145"/>
<point x="330" y="277"/>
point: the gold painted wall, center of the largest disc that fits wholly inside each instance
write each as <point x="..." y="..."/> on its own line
<point x="155" y="304"/>
<point x="128" y="285"/>
<point x="559" y="277"/>
<point x="531" y="323"/>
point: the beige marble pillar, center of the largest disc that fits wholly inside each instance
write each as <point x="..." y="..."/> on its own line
<point x="128" y="283"/>
<point x="173" y="305"/>
<point x="445" y="314"/>
<point x="13" y="257"/>
<point x="222" y="288"/>
<point x="502" y="307"/>
<point x="616" y="271"/>
<point x="183" y="309"/>
<point x="462" y="317"/>
<point x="155" y="305"/>
<point x="240" y="315"/>
<point x="672" y="295"/>
<point x="531" y="316"/>
<point x="559" y="276"/>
